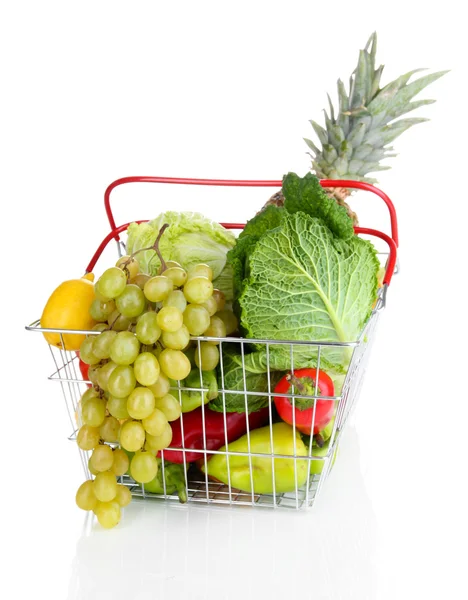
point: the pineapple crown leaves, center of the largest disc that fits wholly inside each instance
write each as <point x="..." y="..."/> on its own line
<point x="356" y="140"/>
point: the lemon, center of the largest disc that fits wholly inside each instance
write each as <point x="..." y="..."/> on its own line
<point x="68" y="308"/>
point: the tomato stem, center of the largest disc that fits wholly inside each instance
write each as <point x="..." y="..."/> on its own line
<point x="300" y="385"/>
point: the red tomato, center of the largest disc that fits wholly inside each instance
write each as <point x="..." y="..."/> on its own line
<point x="304" y="384"/>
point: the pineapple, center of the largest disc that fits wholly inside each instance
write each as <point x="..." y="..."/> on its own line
<point x="355" y="142"/>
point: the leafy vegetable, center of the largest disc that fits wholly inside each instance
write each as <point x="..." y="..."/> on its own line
<point x="306" y="284"/>
<point x="190" y="239"/>
<point x="268" y="218"/>
<point x="231" y="377"/>
<point x="305" y="194"/>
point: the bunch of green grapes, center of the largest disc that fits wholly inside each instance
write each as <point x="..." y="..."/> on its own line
<point x="143" y="349"/>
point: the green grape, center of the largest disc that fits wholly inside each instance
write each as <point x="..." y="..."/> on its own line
<point x="129" y="264"/>
<point x="110" y="429"/>
<point x="131" y="302"/>
<point x="108" y="513"/>
<point x="147" y="328"/>
<point x="177" y="275"/>
<point x="85" y="498"/>
<point x="170" y="318"/>
<point x="102" y="344"/>
<point x="161" y="387"/>
<point x="132" y="436"/>
<point x="210" y="305"/>
<point x="124" y="348"/>
<point x="104" y="373"/>
<point x="229" y="319"/>
<point x="177" y="299"/>
<point x="173" y="263"/>
<point x="91" y="469"/>
<point x="88" y="437"/>
<point x="90" y="393"/>
<point x="155" y="443"/>
<point x="177" y="340"/>
<point x="156" y="422"/>
<point x="105" y="486"/>
<point x="122" y="381"/>
<point x="99" y="327"/>
<point x="118" y="322"/>
<point x="117" y="407"/>
<point x="111" y="283"/>
<point x="86" y="351"/>
<point x="140" y="280"/>
<point x="196" y="319"/>
<point x="157" y="288"/>
<point x="140" y="403"/>
<point x="201" y="270"/>
<point x="101" y="311"/>
<point x="198" y="290"/>
<point x="124" y="495"/>
<point x="169" y="406"/>
<point x="101" y="458"/>
<point x="174" y="364"/>
<point x="121" y="462"/>
<point x="93" y="412"/>
<point x="146" y="368"/>
<point x="207" y="357"/>
<point x="143" y="467"/>
<point x="220" y="298"/>
<point x="217" y="328"/>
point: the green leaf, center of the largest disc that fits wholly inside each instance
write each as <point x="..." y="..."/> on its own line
<point x="267" y="219"/>
<point x="312" y="146"/>
<point x="234" y="377"/>
<point x="306" y="195"/>
<point x="306" y="284"/>
<point x="321" y="133"/>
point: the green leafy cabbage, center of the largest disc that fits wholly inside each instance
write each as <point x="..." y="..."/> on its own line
<point x="306" y="284"/>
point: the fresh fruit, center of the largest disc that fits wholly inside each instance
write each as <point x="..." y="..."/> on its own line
<point x="158" y="288"/>
<point x="101" y="458"/>
<point x="68" y="308"/>
<point x="143" y="467"/>
<point x="174" y="364"/>
<point x="355" y="141"/>
<point x="111" y="284"/>
<point x="306" y="412"/>
<point x="140" y="403"/>
<point x="85" y="497"/>
<point x="132" y="436"/>
<point x="105" y="486"/>
<point x="108" y="514"/>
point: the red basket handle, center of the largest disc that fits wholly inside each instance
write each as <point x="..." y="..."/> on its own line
<point x="346" y="183"/>
<point x="114" y="234"/>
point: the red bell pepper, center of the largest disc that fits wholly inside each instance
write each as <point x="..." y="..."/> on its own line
<point x="304" y="383"/>
<point x="83" y="369"/>
<point x="236" y="426"/>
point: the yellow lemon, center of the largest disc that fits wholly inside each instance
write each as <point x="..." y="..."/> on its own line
<point x="68" y="308"/>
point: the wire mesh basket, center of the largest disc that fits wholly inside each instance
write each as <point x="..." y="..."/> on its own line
<point x="307" y="462"/>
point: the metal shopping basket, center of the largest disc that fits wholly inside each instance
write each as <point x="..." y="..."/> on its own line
<point x="199" y="486"/>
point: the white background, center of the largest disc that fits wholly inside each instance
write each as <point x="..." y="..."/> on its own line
<point x="93" y="91"/>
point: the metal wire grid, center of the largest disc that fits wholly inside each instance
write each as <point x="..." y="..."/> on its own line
<point x="198" y="485"/>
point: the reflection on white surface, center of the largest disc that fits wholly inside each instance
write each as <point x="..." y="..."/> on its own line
<point x="165" y="550"/>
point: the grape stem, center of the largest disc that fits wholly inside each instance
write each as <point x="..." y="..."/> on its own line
<point x="154" y="247"/>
